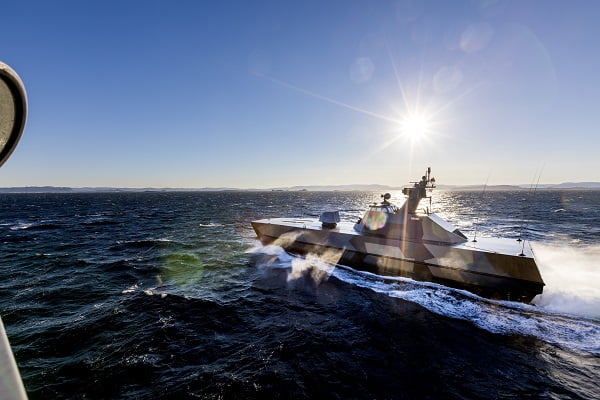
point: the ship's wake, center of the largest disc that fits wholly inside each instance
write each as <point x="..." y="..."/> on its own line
<point x="564" y="314"/>
<point x="572" y="277"/>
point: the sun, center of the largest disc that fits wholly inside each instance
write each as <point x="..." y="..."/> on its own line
<point x="414" y="126"/>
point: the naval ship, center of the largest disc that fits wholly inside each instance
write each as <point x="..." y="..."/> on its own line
<point x="412" y="242"/>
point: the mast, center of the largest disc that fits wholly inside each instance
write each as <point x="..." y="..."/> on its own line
<point x="417" y="192"/>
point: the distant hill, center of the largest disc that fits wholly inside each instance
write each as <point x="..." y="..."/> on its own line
<point x="314" y="188"/>
<point x="479" y="188"/>
<point x="330" y="188"/>
<point x="343" y="188"/>
<point x="37" y="189"/>
<point x="381" y="188"/>
<point x="57" y="189"/>
<point x="573" y="185"/>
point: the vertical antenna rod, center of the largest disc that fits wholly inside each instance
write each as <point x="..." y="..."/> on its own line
<point x="482" y="194"/>
<point x="522" y="254"/>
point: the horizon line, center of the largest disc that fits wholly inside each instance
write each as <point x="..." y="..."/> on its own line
<point x="332" y="187"/>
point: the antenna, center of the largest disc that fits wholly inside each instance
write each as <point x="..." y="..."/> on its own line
<point x="482" y="194"/>
<point x="522" y="254"/>
<point x="529" y="192"/>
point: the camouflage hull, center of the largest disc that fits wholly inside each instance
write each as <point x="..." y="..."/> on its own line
<point x="491" y="267"/>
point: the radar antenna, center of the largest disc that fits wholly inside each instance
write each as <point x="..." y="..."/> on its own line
<point x="386" y="198"/>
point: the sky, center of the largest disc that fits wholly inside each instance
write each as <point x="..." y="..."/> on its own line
<point x="260" y="94"/>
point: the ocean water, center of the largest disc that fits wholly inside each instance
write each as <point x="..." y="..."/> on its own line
<point x="170" y="295"/>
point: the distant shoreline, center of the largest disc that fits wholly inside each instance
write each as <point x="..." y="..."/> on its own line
<point x="308" y="188"/>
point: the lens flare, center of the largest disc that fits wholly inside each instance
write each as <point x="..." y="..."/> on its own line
<point x="375" y="220"/>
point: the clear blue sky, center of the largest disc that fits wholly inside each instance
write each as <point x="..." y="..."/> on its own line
<point x="280" y="93"/>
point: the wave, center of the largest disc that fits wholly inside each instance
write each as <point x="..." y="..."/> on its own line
<point x="547" y="321"/>
<point x="21" y="226"/>
<point x="145" y="243"/>
<point x="99" y="221"/>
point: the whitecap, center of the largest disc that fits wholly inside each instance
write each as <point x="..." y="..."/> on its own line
<point x="130" y="289"/>
<point x="21" y="226"/>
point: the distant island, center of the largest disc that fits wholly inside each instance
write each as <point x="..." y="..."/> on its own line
<point x="312" y="188"/>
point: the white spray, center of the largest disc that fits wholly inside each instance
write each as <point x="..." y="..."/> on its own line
<point x="572" y="277"/>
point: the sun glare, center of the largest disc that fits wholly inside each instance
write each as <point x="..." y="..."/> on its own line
<point x="414" y="126"/>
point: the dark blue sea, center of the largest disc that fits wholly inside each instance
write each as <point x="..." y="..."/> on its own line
<point x="168" y="295"/>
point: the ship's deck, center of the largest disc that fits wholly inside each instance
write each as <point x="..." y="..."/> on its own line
<point x="487" y="244"/>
